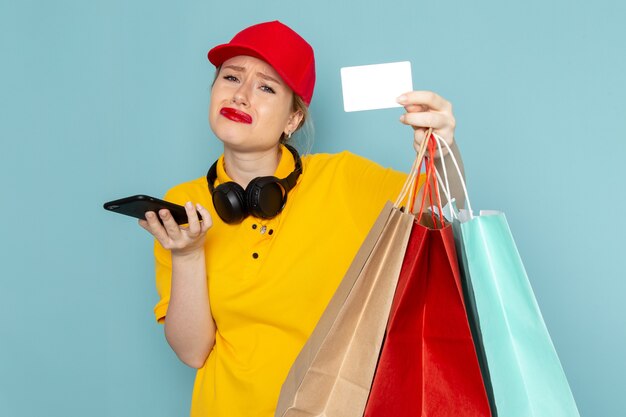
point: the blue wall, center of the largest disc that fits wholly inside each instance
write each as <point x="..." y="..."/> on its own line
<point x="102" y="99"/>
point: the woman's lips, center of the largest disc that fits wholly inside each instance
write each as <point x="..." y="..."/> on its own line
<point x="236" y="115"/>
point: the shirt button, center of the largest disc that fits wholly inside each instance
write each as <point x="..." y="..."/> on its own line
<point x="271" y="231"/>
<point x="255" y="255"/>
<point x="254" y="226"/>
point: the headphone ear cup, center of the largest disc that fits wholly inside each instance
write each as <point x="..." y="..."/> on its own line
<point x="265" y="197"/>
<point x="230" y="202"/>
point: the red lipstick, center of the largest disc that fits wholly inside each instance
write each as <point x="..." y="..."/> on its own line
<point x="236" y="115"/>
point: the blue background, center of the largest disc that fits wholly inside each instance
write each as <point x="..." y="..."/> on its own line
<point x="103" y="99"/>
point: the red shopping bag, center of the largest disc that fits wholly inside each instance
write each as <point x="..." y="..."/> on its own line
<point x="428" y="364"/>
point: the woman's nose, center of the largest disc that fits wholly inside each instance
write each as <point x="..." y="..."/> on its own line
<point x="240" y="95"/>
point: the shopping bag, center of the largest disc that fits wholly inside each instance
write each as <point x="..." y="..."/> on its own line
<point x="524" y="369"/>
<point x="428" y="365"/>
<point x="333" y="372"/>
<point x="472" y="310"/>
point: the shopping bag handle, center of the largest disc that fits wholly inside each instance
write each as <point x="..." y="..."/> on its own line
<point x="410" y="183"/>
<point x="430" y="170"/>
<point x="446" y="187"/>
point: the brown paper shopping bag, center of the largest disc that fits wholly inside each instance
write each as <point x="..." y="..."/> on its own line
<point x="333" y="373"/>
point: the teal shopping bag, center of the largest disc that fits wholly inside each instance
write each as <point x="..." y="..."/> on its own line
<point x="525" y="372"/>
<point x="518" y="359"/>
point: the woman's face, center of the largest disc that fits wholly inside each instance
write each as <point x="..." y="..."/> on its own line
<point x="251" y="106"/>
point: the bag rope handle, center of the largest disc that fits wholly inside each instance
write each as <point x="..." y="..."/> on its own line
<point x="430" y="184"/>
<point x="440" y="140"/>
<point x="411" y="180"/>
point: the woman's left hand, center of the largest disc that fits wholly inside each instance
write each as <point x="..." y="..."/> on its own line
<point x="425" y="109"/>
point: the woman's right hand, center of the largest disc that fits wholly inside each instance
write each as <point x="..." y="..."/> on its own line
<point x="179" y="240"/>
<point x="189" y="326"/>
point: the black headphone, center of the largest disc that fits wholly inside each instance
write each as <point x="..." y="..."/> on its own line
<point x="264" y="197"/>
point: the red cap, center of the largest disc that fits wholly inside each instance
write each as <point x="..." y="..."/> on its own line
<point x="278" y="45"/>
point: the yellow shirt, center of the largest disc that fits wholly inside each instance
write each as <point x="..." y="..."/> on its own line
<point x="270" y="280"/>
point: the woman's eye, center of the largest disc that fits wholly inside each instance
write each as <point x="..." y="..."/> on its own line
<point x="230" y="78"/>
<point x="268" y="89"/>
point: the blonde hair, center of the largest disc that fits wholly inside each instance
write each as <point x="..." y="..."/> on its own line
<point x="302" y="137"/>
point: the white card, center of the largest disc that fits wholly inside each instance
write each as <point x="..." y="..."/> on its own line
<point x="369" y="87"/>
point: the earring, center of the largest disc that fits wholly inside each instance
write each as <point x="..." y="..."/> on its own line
<point x="289" y="135"/>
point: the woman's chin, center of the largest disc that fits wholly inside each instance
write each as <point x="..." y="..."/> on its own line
<point x="233" y="141"/>
<point x="230" y="136"/>
<point x="239" y="142"/>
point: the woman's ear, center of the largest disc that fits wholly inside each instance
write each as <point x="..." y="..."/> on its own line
<point x="294" y="122"/>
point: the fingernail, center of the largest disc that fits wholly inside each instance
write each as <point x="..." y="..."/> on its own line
<point x="188" y="204"/>
<point x="198" y="206"/>
<point x="402" y="118"/>
<point x="401" y="99"/>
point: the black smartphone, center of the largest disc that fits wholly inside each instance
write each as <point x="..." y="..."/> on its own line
<point x="138" y="205"/>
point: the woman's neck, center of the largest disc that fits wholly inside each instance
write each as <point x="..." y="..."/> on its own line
<point x="243" y="167"/>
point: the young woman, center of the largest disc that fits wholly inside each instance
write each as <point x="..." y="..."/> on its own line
<point x="241" y="290"/>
